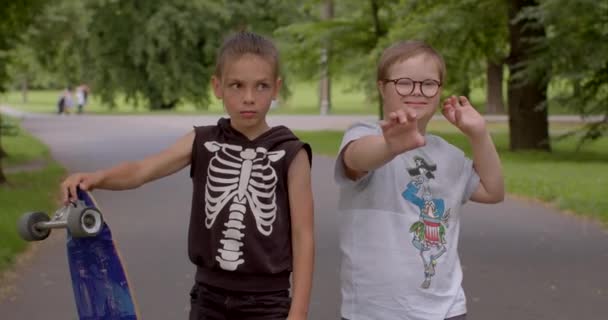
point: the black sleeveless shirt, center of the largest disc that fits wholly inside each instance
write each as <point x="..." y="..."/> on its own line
<point x="240" y="227"/>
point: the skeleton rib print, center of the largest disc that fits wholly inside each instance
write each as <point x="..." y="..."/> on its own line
<point x="244" y="179"/>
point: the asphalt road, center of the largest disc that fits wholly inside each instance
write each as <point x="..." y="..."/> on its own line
<point x="521" y="260"/>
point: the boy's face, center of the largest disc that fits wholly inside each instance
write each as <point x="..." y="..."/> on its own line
<point x="417" y="68"/>
<point x="247" y="87"/>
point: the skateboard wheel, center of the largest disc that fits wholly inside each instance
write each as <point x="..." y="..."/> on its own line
<point x="26" y="226"/>
<point x="85" y="223"/>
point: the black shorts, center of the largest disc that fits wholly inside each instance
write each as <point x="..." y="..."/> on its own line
<point x="211" y="303"/>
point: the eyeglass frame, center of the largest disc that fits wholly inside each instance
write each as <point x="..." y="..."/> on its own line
<point x="394" y="81"/>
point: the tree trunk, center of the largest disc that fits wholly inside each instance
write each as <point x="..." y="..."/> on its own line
<point x="2" y="155"/>
<point x="24" y="89"/>
<point x="327" y="13"/>
<point x="380" y="32"/>
<point x="528" y="118"/>
<point x="494" y="98"/>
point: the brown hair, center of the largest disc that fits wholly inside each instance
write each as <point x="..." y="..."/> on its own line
<point x="404" y="50"/>
<point x="241" y="43"/>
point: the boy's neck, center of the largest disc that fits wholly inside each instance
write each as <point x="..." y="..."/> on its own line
<point x="252" y="132"/>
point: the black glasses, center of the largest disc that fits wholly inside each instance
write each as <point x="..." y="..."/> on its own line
<point x="405" y="86"/>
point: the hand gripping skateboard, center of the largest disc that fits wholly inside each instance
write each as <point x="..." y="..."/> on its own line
<point x="100" y="283"/>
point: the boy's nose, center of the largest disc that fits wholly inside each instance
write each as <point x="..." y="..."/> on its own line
<point x="417" y="89"/>
<point x="249" y="97"/>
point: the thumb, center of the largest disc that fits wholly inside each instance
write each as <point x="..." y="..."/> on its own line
<point x="411" y="115"/>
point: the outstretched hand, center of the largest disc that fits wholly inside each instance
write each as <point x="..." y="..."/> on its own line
<point x="84" y="181"/>
<point x="463" y="115"/>
<point x="401" y="131"/>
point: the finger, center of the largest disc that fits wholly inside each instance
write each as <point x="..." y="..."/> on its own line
<point x="411" y="115"/>
<point x="392" y="115"/>
<point x="464" y="101"/>
<point x="456" y="102"/>
<point x="457" y="115"/>
<point x="386" y="124"/>
<point x="64" y="193"/>
<point x="73" y="194"/>
<point x="402" y="116"/>
<point x="448" y="113"/>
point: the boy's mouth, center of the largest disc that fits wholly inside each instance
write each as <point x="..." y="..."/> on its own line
<point x="416" y="104"/>
<point x="248" y="113"/>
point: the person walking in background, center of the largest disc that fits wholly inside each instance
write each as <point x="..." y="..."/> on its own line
<point x="65" y="102"/>
<point x="82" y="93"/>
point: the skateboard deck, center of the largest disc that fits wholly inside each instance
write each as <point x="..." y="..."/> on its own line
<point x="99" y="279"/>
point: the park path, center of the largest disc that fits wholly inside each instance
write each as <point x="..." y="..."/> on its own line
<point x="521" y="260"/>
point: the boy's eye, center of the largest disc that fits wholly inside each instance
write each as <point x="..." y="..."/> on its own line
<point x="234" y="85"/>
<point x="262" y="86"/>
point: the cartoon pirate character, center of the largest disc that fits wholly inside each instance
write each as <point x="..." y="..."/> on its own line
<point x="429" y="231"/>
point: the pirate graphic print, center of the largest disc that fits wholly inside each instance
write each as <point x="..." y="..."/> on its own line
<point x="429" y="231"/>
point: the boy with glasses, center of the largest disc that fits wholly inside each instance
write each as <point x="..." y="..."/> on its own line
<point x="401" y="195"/>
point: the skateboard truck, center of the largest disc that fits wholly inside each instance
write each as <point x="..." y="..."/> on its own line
<point x="80" y="220"/>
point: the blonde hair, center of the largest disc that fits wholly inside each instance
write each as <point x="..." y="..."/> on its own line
<point x="404" y="50"/>
<point x="241" y="43"/>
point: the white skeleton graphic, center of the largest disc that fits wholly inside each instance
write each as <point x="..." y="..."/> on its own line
<point x="243" y="178"/>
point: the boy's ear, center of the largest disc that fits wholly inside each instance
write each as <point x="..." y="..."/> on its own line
<point x="278" y="85"/>
<point x="216" y="83"/>
<point x="380" y="85"/>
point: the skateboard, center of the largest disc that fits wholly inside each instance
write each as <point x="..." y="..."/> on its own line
<point x="99" y="279"/>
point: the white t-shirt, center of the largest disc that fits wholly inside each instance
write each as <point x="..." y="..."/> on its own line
<point x="399" y="229"/>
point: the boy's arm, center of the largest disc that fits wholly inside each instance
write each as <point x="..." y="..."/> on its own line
<point x="399" y="134"/>
<point x="487" y="165"/>
<point x="132" y="174"/>
<point x="302" y="235"/>
<point x="364" y="155"/>
<point x="486" y="162"/>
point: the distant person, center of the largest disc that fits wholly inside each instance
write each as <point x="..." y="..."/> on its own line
<point x="82" y="93"/>
<point x="65" y="102"/>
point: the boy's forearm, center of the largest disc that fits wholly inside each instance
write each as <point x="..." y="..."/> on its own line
<point x="487" y="164"/>
<point x="367" y="154"/>
<point x="303" y="264"/>
<point x="120" y="177"/>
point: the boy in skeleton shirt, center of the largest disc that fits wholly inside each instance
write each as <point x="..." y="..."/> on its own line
<point x="251" y="223"/>
<point x="402" y="191"/>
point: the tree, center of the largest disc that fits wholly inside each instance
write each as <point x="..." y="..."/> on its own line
<point x="527" y="91"/>
<point x="156" y="51"/>
<point x="356" y="30"/>
<point x="576" y="48"/>
<point x="327" y="13"/>
<point x="16" y="15"/>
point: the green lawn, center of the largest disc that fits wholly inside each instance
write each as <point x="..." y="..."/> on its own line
<point x="302" y="101"/>
<point x="570" y="180"/>
<point x="25" y="191"/>
<point x="345" y="100"/>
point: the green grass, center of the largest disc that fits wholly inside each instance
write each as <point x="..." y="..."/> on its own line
<point x="23" y="148"/>
<point x="570" y="180"/>
<point x="25" y="191"/>
<point x="304" y="100"/>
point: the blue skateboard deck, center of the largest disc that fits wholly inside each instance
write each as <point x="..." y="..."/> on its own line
<point x="100" y="283"/>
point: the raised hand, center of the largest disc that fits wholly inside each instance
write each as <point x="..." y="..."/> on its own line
<point x="401" y="131"/>
<point x="461" y="114"/>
